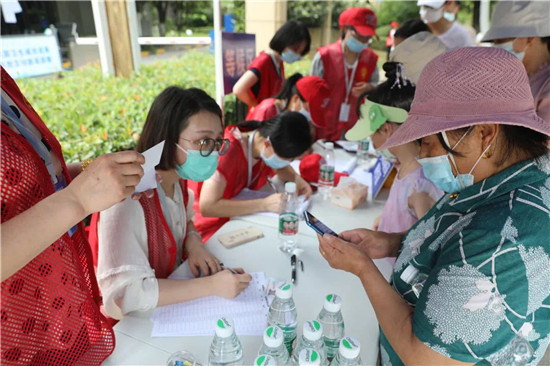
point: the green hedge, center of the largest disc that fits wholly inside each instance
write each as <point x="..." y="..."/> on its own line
<point x="92" y="114"/>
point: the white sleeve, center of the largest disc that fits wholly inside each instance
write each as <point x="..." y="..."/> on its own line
<point x="189" y="208"/>
<point x="125" y="277"/>
<point x="317" y="67"/>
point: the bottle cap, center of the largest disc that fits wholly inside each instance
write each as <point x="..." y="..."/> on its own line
<point x="273" y="336"/>
<point x="284" y="290"/>
<point x="329" y="145"/>
<point x="349" y="348"/>
<point x="409" y="274"/>
<point x="312" y="330"/>
<point x="290" y="187"/>
<point x="264" y="360"/>
<point x="333" y="303"/>
<point x="224" y="327"/>
<point x="309" y="357"/>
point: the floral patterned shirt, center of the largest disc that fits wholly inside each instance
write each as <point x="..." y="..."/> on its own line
<point x="476" y="270"/>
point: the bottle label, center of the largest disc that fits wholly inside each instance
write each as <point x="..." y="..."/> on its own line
<point x="288" y="223"/>
<point x="326" y="175"/>
<point x="364" y="145"/>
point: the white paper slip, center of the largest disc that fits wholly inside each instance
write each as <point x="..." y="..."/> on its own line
<point x="350" y="166"/>
<point x="197" y="317"/>
<point x="350" y="146"/>
<point x="152" y="159"/>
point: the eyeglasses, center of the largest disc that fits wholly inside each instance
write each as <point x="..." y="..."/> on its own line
<point x="207" y="145"/>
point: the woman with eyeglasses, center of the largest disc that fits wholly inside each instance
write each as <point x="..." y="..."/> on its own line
<point x="142" y="242"/>
<point x="258" y="150"/>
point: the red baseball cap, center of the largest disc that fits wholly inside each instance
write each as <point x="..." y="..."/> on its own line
<point x="363" y="20"/>
<point x="317" y="95"/>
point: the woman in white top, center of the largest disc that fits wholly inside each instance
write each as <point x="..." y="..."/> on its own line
<point x="142" y="242"/>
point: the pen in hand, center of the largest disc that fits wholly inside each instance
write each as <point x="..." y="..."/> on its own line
<point x="228" y="268"/>
<point x="293" y="268"/>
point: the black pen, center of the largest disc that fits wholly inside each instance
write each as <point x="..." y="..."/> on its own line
<point x="293" y="267"/>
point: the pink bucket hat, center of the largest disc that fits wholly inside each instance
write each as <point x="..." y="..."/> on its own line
<point x="469" y="86"/>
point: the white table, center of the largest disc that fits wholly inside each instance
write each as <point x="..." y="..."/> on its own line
<point x="135" y="346"/>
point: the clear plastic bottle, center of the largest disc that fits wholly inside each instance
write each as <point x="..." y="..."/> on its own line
<point x="309" y="357"/>
<point x="326" y="171"/>
<point x="264" y="360"/>
<point x="282" y="313"/>
<point x="363" y="150"/>
<point x="273" y="345"/>
<point x="348" y="353"/>
<point x="312" y="338"/>
<point x="226" y="348"/>
<point x="182" y="358"/>
<point x="332" y="321"/>
<point x="289" y="220"/>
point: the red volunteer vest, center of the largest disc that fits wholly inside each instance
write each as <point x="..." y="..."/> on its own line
<point x="50" y="313"/>
<point x="233" y="165"/>
<point x="161" y="245"/>
<point x="333" y="64"/>
<point x="263" y="111"/>
<point x="270" y="82"/>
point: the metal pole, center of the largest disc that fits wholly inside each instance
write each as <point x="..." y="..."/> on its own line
<point x="218" y="64"/>
<point x="134" y="33"/>
<point x="103" y="40"/>
<point x="484" y="10"/>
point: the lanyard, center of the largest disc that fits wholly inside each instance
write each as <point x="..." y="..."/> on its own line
<point x="37" y="145"/>
<point x="349" y="80"/>
<point x="250" y="142"/>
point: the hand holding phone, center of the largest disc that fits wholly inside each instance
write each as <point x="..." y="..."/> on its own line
<point x="317" y="225"/>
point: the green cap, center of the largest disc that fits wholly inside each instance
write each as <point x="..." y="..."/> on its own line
<point x="373" y="116"/>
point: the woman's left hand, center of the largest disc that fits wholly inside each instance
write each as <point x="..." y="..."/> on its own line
<point x="343" y="255"/>
<point x="302" y="187"/>
<point x="200" y="260"/>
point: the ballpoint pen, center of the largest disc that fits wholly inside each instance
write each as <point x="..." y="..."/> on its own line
<point x="228" y="268"/>
<point x="271" y="184"/>
<point x="293" y="268"/>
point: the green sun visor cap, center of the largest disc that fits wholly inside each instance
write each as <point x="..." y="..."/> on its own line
<point x="374" y="115"/>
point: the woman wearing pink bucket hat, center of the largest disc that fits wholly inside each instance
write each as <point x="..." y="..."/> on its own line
<point x="470" y="283"/>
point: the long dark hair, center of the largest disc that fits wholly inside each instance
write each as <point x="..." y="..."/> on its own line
<point x="289" y="89"/>
<point x="169" y="115"/>
<point x="288" y="132"/>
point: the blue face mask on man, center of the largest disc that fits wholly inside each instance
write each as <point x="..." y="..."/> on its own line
<point x="274" y="162"/>
<point x="197" y="167"/>
<point x="438" y="169"/>
<point x="290" y="56"/>
<point x="355" y="46"/>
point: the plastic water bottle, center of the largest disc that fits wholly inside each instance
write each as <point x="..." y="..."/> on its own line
<point x="309" y="357"/>
<point x="326" y="171"/>
<point x="274" y="345"/>
<point x="348" y="353"/>
<point x="332" y="321"/>
<point x="264" y="360"/>
<point x="289" y="220"/>
<point x="225" y="348"/>
<point x="182" y="358"/>
<point x="363" y="150"/>
<point x="282" y="313"/>
<point x="312" y="338"/>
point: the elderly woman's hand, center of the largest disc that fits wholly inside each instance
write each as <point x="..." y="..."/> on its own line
<point x="376" y="244"/>
<point x="341" y="254"/>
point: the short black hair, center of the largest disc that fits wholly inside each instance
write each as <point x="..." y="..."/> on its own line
<point x="291" y="33"/>
<point x="169" y="115"/>
<point x="290" y="89"/>
<point x="394" y="92"/>
<point x="410" y="28"/>
<point x="517" y="140"/>
<point x="288" y="132"/>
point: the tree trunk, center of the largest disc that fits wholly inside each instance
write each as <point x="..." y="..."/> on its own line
<point x="475" y="24"/>
<point x="162" y="7"/>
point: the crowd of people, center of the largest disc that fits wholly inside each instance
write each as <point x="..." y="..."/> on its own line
<point x="467" y="219"/>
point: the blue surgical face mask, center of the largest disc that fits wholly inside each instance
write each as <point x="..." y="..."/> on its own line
<point x="449" y="16"/>
<point x="290" y="56"/>
<point x="197" y="167"/>
<point x="305" y="113"/>
<point x="509" y="46"/>
<point x="438" y="170"/>
<point x="274" y="162"/>
<point x="355" y="46"/>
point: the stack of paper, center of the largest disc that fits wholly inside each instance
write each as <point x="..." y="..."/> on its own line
<point x="198" y="317"/>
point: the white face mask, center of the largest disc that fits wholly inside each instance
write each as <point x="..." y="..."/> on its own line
<point x="449" y="16"/>
<point x="430" y="15"/>
<point x="509" y="46"/>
